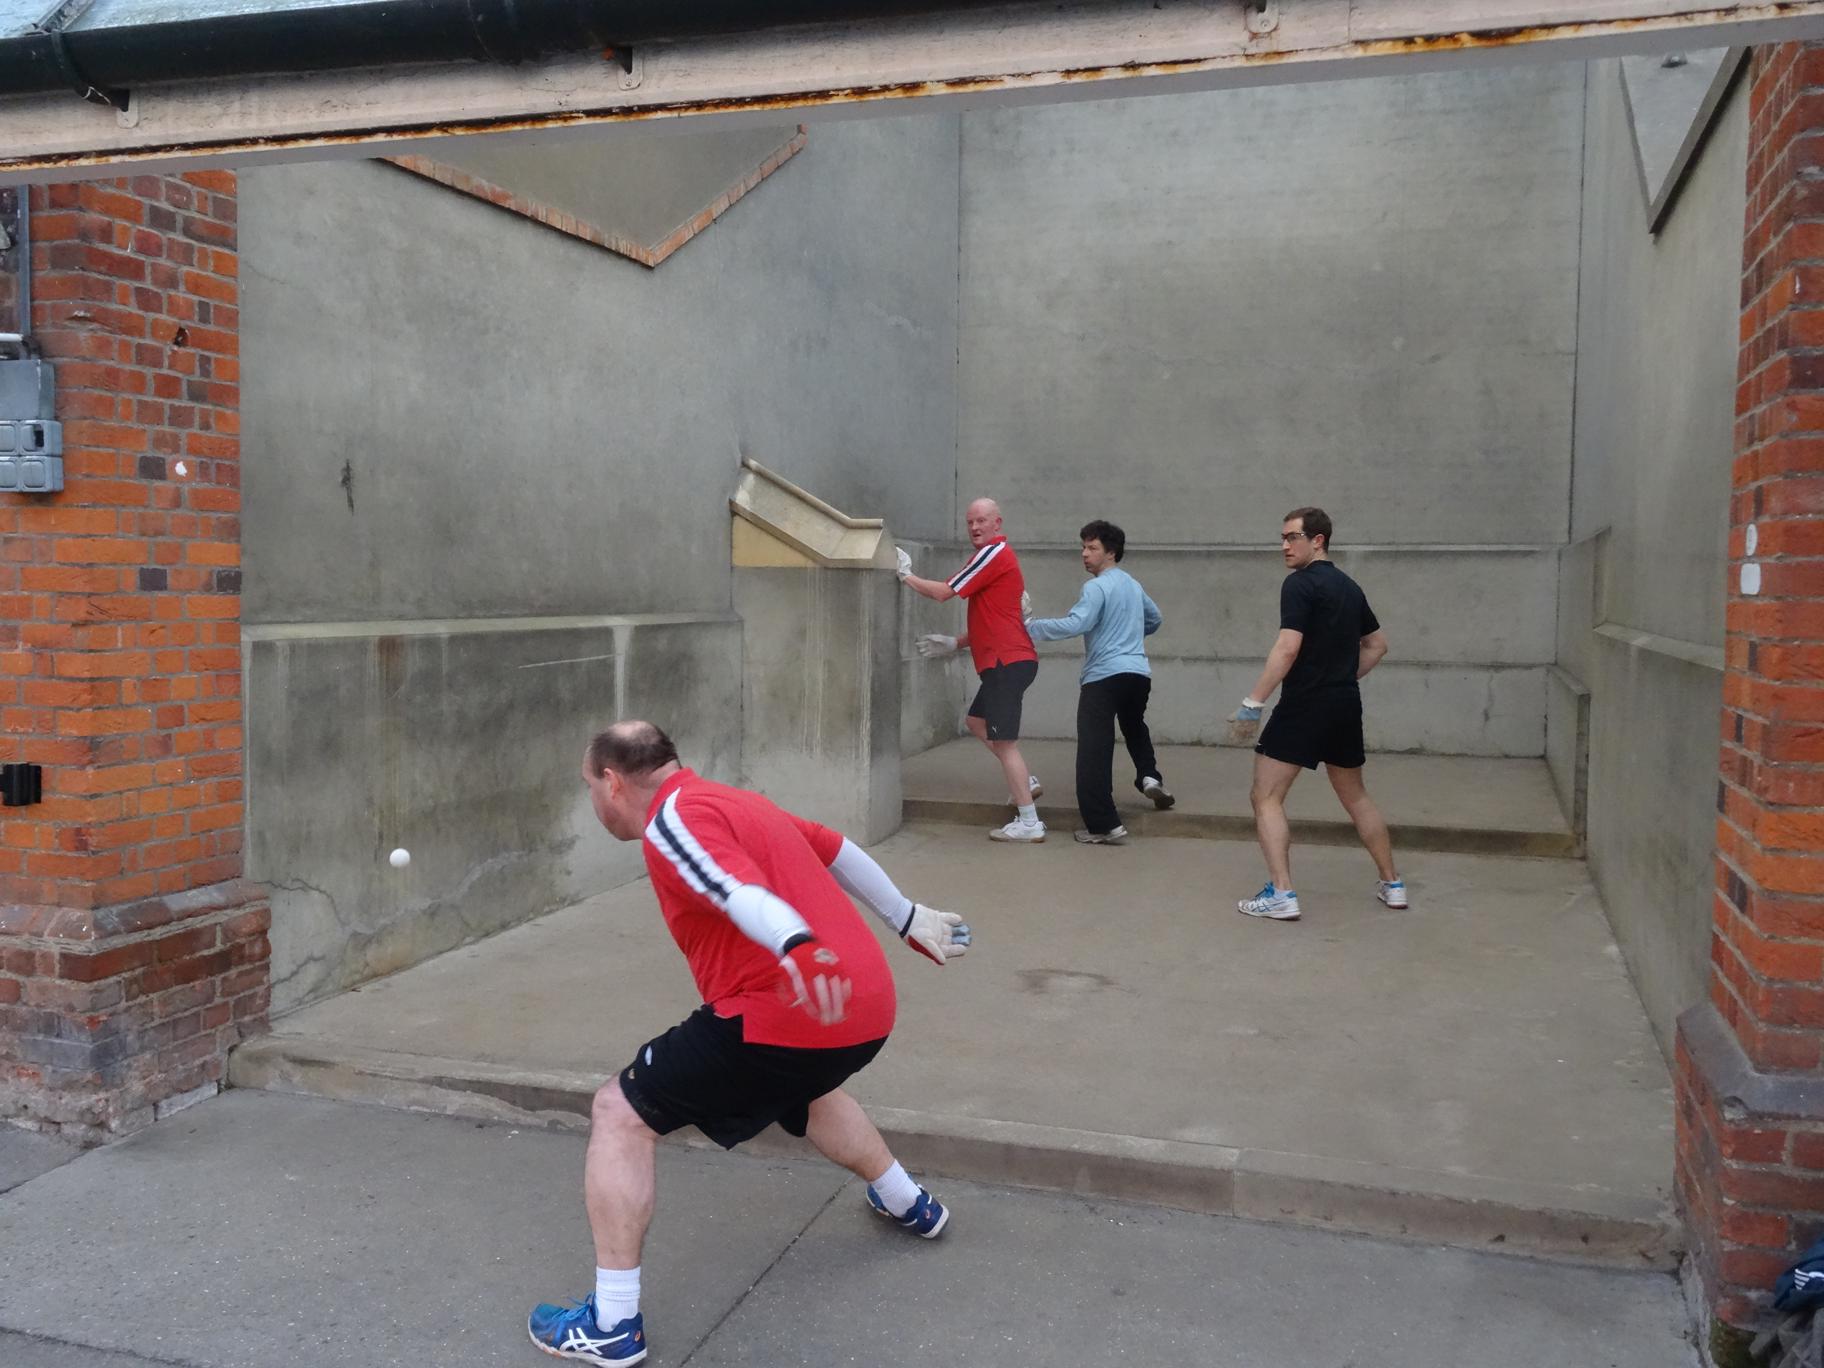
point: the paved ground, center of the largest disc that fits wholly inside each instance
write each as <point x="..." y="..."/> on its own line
<point x="258" y="1230"/>
<point x="1422" y="790"/>
<point x="1484" y="1046"/>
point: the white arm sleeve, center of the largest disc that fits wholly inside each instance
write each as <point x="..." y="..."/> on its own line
<point x="764" y="917"/>
<point x="857" y="872"/>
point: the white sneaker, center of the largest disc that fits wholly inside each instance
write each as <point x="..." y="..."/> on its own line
<point x="1114" y="836"/>
<point x="1271" y="904"/>
<point x="1155" y="790"/>
<point x="1038" y="789"/>
<point x="1392" y="892"/>
<point x="1017" y="830"/>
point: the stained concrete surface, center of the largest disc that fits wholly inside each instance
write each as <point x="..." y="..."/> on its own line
<point x="1489" y="1032"/>
<point x="266" y="1230"/>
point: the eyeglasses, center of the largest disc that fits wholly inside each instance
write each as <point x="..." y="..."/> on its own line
<point x="1290" y="536"/>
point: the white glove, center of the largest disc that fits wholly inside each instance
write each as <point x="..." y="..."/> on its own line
<point x="905" y="563"/>
<point x="936" y="935"/>
<point x="935" y="646"/>
<point x="1025" y="606"/>
<point x="1244" y="722"/>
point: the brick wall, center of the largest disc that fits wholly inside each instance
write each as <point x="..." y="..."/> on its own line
<point x="1750" y="1120"/>
<point x="131" y="954"/>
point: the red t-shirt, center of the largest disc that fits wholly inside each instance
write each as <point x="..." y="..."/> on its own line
<point x="703" y="839"/>
<point x="992" y="583"/>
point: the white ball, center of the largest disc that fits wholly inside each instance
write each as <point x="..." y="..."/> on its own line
<point x="400" y="858"/>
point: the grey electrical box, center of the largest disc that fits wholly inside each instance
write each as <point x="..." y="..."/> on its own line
<point x="31" y="441"/>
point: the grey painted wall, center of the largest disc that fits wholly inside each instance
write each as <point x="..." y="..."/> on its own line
<point x="1189" y="313"/>
<point x="1641" y="596"/>
<point x="542" y="438"/>
<point x="536" y="425"/>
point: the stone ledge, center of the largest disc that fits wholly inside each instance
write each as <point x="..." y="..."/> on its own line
<point x="39" y="921"/>
<point x="1735" y="1082"/>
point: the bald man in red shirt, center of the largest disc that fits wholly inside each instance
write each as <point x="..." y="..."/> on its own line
<point x="796" y="994"/>
<point x="1000" y="649"/>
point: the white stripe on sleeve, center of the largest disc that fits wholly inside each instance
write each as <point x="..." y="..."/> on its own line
<point x="976" y="566"/>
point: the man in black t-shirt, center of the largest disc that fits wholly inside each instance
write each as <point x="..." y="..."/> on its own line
<point x="1328" y="639"/>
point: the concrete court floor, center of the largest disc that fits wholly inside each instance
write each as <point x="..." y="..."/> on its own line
<point x="1478" y="792"/>
<point x="256" y="1230"/>
<point x="1489" y="1033"/>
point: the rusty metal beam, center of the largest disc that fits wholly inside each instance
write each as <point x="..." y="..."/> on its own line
<point x="971" y="57"/>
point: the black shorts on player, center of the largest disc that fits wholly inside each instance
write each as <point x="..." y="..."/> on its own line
<point x="1320" y="728"/>
<point x="999" y="700"/>
<point x="702" y="1073"/>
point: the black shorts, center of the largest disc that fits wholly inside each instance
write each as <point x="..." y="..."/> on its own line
<point x="702" y="1073"/>
<point x="1316" y="729"/>
<point x="998" y="701"/>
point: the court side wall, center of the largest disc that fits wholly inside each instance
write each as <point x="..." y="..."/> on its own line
<point x="1641" y="606"/>
<point x="487" y="479"/>
<point x="1191" y="313"/>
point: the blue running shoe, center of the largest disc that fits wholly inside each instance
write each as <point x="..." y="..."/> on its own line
<point x="927" y="1218"/>
<point x="571" y="1332"/>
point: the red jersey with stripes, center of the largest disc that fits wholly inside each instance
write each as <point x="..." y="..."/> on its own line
<point x="703" y="840"/>
<point x="992" y="583"/>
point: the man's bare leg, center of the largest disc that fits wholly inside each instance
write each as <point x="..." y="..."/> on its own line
<point x="1013" y="764"/>
<point x="843" y="1134"/>
<point x="618" y="1178"/>
<point x="1369" y="824"/>
<point x="1272" y="782"/>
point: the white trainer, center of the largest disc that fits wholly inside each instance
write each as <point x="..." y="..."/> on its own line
<point x="1027" y="833"/>
<point x="1392" y="892"/>
<point x="1155" y="790"/>
<point x="1116" y="835"/>
<point x="1271" y="904"/>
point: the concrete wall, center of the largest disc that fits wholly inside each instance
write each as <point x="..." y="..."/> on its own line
<point x="1641" y="602"/>
<point x="1191" y="313"/>
<point x="483" y="447"/>
<point x="461" y="742"/>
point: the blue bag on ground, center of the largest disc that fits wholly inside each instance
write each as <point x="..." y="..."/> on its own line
<point x="1801" y="1287"/>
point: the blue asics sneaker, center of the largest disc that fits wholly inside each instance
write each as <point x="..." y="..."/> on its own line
<point x="571" y="1332"/>
<point x="927" y="1218"/>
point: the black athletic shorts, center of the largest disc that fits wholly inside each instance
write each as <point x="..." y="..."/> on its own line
<point x="1316" y="729"/>
<point x="998" y="701"/>
<point x="702" y="1073"/>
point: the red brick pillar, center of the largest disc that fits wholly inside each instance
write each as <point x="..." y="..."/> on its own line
<point x="132" y="953"/>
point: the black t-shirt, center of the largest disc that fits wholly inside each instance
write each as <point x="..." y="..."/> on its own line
<point x="1333" y="613"/>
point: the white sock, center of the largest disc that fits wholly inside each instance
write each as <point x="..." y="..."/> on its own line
<point x="617" y="1296"/>
<point x="896" y="1190"/>
<point x="1029" y="813"/>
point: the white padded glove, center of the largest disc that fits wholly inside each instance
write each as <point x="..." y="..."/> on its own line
<point x="1025" y="606"/>
<point x="905" y="563"/>
<point x="935" y="646"/>
<point x="936" y="935"/>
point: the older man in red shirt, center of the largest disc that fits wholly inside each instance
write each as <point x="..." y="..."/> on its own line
<point x="796" y="997"/>
<point x="1001" y="651"/>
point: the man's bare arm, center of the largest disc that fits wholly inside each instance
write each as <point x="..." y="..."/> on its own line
<point x="936" y="590"/>
<point x="1279" y="664"/>
<point x="1374" y="646"/>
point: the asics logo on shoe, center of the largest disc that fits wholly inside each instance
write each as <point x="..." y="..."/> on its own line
<point x="577" y="1339"/>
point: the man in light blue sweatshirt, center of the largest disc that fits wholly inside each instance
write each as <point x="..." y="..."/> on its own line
<point x="1113" y="616"/>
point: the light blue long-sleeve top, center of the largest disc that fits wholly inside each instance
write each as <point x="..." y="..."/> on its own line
<point x="1113" y="616"/>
